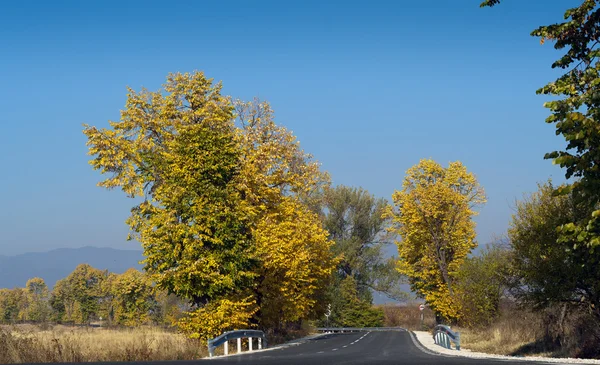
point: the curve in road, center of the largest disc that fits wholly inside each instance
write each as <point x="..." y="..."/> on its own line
<point x="390" y="347"/>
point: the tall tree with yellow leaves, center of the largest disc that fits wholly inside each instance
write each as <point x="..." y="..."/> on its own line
<point x="133" y="298"/>
<point x="433" y="217"/>
<point x="212" y="173"/>
<point x="281" y="184"/>
<point x="38" y="308"/>
<point x="273" y="166"/>
<point x="297" y="264"/>
<point x="177" y="149"/>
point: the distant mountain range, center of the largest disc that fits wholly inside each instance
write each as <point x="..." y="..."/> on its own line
<point x="57" y="264"/>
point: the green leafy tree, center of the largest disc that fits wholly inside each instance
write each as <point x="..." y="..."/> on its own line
<point x="354" y="311"/>
<point x="62" y="301"/>
<point x="355" y="222"/>
<point x="106" y="299"/>
<point x="482" y="281"/>
<point x="576" y="113"/>
<point x="549" y="270"/>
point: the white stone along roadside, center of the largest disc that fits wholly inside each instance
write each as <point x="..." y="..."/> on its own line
<point x="426" y="339"/>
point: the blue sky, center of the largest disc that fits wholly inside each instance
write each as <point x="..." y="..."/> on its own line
<point x="368" y="87"/>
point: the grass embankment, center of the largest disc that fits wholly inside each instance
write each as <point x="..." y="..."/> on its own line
<point x="31" y="344"/>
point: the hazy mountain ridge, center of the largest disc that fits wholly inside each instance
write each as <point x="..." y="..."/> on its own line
<point x="57" y="264"/>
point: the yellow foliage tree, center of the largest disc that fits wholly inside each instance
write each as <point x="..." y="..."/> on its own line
<point x="272" y="164"/>
<point x="217" y="317"/>
<point x="297" y="263"/>
<point x="433" y="216"/>
<point x="212" y="173"/>
<point x="13" y="305"/>
<point x="37" y="293"/>
<point x="132" y="295"/>
<point x="177" y="149"/>
<point x="280" y="183"/>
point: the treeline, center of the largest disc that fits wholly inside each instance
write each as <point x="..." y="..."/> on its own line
<point x="352" y="217"/>
<point x="90" y="295"/>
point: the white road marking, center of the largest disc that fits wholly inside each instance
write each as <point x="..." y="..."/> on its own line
<point x="334" y="350"/>
<point x="320" y="352"/>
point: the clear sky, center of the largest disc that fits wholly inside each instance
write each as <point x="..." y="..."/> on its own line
<point x="368" y="87"/>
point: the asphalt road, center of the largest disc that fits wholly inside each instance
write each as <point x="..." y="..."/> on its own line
<point x="392" y="347"/>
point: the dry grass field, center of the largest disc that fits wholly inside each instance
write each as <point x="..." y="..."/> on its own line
<point x="33" y="344"/>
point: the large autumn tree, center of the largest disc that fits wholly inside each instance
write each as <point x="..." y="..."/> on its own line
<point x="280" y="183"/>
<point x="433" y="217"/>
<point x="219" y="180"/>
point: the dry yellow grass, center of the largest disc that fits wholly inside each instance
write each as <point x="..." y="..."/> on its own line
<point x="537" y="333"/>
<point x="28" y="344"/>
<point x="498" y="339"/>
<point x="515" y="332"/>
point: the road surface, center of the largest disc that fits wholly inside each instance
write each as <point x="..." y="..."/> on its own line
<point x="391" y="347"/>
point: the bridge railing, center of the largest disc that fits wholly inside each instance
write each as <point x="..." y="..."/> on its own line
<point x="444" y="336"/>
<point x="357" y="329"/>
<point x="237" y="334"/>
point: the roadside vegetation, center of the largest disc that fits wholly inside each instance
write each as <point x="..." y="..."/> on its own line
<point x="58" y="343"/>
<point x="250" y="235"/>
<point x="242" y="229"/>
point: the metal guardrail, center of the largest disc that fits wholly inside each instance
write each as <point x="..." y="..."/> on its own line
<point x="357" y="329"/>
<point x="444" y="336"/>
<point x="237" y="334"/>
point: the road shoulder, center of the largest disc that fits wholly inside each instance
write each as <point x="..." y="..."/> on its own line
<point x="426" y="341"/>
